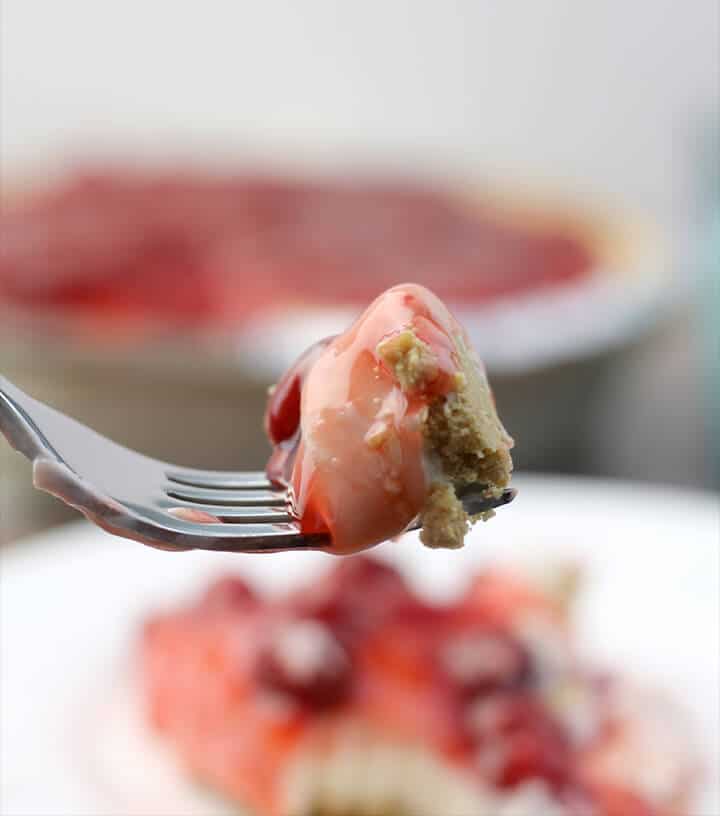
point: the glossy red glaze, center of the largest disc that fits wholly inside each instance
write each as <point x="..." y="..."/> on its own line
<point x="282" y="416"/>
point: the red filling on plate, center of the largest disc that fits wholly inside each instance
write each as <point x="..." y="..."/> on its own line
<point x="239" y="683"/>
<point x="156" y="249"/>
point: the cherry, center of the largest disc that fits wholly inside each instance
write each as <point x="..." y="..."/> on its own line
<point x="518" y="740"/>
<point x="228" y="593"/>
<point x="303" y="659"/>
<point x="482" y="661"/>
<point x="531" y="756"/>
<point x="356" y="595"/>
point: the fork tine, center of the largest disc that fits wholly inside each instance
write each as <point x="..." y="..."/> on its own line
<point x="238" y="515"/>
<point x="247" y="538"/>
<point x="220" y="479"/>
<point x="264" y="538"/>
<point x="178" y="535"/>
<point x="241" y="498"/>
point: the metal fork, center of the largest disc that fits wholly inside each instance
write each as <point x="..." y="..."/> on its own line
<point x="137" y="497"/>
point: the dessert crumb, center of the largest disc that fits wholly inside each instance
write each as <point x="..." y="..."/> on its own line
<point x="444" y="520"/>
<point x="410" y="359"/>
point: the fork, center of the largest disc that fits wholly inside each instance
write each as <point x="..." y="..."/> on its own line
<point x="161" y="504"/>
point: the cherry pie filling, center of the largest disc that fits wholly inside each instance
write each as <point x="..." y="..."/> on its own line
<point x="239" y="683"/>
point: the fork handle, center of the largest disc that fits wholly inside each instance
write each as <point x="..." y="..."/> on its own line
<point x="16" y="423"/>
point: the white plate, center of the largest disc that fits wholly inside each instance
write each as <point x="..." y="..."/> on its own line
<point x="72" y="601"/>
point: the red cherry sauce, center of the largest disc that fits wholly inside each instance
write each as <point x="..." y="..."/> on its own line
<point x="282" y="417"/>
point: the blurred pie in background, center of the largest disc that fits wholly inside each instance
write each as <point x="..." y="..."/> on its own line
<point x="139" y="250"/>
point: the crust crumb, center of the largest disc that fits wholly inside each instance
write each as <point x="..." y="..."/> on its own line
<point x="466" y="444"/>
<point x="444" y="520"/>
<point x="456" y="435"/>
<point x="409" y="358"/>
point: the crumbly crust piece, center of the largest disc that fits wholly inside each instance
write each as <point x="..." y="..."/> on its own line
<point x="445" y="522"/>
<point x="410" y="358"/>
<point x="456" y="435"/>
<point x="457" y="445"/>
<point x="465" y="442"/>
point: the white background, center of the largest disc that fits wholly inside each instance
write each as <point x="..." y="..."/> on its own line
<point x="607" y="95"/>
